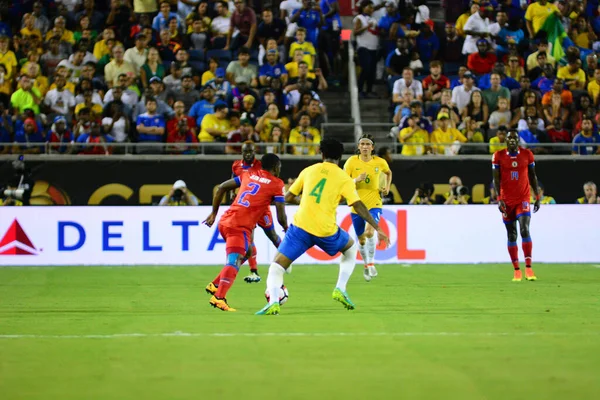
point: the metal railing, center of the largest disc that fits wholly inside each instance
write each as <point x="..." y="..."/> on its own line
<point x="353" y="89"/>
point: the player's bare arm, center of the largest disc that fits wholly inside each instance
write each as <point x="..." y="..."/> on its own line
<point x="388" y="183"/>
<point x="222" y="190"/>
<point x="360" y="178"/>
<point x="501" y="203"/>
<point x="291" y="198"/>
<point x="533" y="182"/>
<point x="281" y="216"/>
<point x="362" y="210"/>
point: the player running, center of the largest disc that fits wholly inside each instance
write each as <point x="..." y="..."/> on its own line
<point x="258" y="189"/>
<point x="366" y="169"/>
<point x="322" y="186"/>
<point x="514" y="172"/>
<point x="249" y="163"/>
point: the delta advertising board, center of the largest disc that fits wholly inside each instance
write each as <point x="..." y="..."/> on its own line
<point x="176" y="236"/>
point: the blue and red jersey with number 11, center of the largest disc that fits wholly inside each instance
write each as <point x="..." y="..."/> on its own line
<point x="258" y="188"/>
<point x="514" y="174"/>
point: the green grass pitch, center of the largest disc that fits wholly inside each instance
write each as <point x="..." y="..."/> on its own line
<point x="422" y="332"/>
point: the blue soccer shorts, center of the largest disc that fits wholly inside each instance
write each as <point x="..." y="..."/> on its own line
<point x="297" y="241"/>
<point x="359" y="223"/>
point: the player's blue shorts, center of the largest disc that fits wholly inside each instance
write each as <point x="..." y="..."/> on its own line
<point x="297" y="241"/>
<point x="359" y="223"/>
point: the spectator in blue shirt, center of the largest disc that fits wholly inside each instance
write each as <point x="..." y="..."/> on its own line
<point x="272" y="70"/>
<point x="485" y="83"/>
<point x="26" y="136"/>
<point x="204" y="106"/>
<point x="221" y="85"/>
<point x="310" y="18"/>
<point x="150" y="127"/>
<point x="330" y="39"/>
<point x="4" y="134"/>
<point x="428" y="45"/>
<point x="586" y="142"/>
<point x="161" y="21"/>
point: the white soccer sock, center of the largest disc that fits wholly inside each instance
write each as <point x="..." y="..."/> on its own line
<point x="362" y="248"/>
<point x="371" y="245"/>
<point x="274" y="282"/>
<point x="346" y="267"/>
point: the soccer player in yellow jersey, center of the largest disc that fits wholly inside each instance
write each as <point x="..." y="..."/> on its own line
<point x="366" y="169"/>
<point x="322" y="186"/>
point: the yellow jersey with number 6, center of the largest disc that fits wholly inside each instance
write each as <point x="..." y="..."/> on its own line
<point x="322" y="186"/>
<point x="368" y="190"/>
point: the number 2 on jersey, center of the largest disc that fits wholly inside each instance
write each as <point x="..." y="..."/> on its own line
<point x="318" y="190"/>
<point x="254" y="189"/>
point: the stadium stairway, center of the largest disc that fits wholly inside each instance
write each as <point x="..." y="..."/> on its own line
<point x="337" y="101"/>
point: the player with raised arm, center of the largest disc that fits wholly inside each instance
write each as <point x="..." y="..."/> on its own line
<point x="366" y="169"/>
<point x="322" y="186"/>
<point x="514" y="173"/>
<point x="249" y="163"/>
<point x="258" y="189"/>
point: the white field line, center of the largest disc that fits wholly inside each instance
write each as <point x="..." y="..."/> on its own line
<point x="293" y="334"/>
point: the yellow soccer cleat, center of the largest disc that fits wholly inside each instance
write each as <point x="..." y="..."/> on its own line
<point x="530" y="275"/>
<point x="518" y="276"/>
<point x="221" y="304"/>
<point x="211" y="289"/>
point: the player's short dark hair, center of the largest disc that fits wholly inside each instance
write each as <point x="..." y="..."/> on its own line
<point x="332" y="148"/>
<point x="269" y="161"/>
<point x="512" y="130"/>
<point x="367" y="136"/>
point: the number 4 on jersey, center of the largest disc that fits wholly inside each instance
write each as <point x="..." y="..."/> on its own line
<point x="318" y="190"/>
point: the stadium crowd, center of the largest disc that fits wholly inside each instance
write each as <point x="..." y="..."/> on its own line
<point x="524" y="64"/>
<point x="80" y="76"/>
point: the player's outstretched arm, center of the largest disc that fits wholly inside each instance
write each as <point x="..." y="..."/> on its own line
<point x="533" y="182"/>
<point x="362" y="210"/>
<point x="292" y="198"/>
<point x="496" y="179"/>
<point x="281" y="216"/>
<point x="223" y="189"/>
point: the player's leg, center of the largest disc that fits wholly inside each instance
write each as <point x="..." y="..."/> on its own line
<point x="527" y="245"/>
<point x="359" y="225"/>
<point x="295" y="243"/>
<point x="513" y="250"/>
<point x="266" y="223"/>
<point x="347" y="264"/>
<point x="371" y="241"/>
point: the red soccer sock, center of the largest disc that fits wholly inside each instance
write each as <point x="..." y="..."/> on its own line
<point x="513" y="251"/>
<point x="252" y="260"/>
<point x="217" y="279"/>
<point x="527" y="245"/>
<point x="228" y="274"/>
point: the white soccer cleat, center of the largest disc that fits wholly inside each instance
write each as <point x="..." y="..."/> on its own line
<point x="372" y="271"/>
<point x="366" y="275"/>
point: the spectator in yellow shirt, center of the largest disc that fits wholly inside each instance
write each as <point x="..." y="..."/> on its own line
<point x="272" y="118"/>
<point x="292" y="67"/>
<point x="101" y="49"/>
<point x="572" y="74"/>
<point x="63" y="71"/>
<point x="498" y="142"/>
<point x="306" y="47"/>
<point x="215" y="127"/>
<point x="60" y="30"/>
<point x="413" y="138"/>
<point x="593" y="87"/>
<point x="7" y="57"/>
<point x="445" y="138"/>
<point x="305" y="137"/>
<point x="29" y="27"/>
<point x="536" y="15"/>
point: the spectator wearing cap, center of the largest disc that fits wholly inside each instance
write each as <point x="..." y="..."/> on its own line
<point x="310" y="17"/>
<point x="216" y="126"/>
<point x="444" y="138"/>
<point x="572" y="74"/>
<point x="495" y="92"/>
<point x="179" y="195"/>
<point x="179" y="138"/>
<point x="243" y="19"/>
<point x="138" y="54"/>
<point x="117" y="67"/>
<point x="498" y="142"/>
<point x="271" y="28"/>
<point x="482" y="61"/>
<point x="461" y="95"/>
<point x="152" y="68"/>
<point x="536" y="15"/>
<point x="161" y="21"/>
<point x="435" y="82"/>
<point x="205" y="106"/>
<point x="242" y="68"/>
<point x="272" y="69"/>
<point x="28" y="137"/>
<point x="167" y="48"/>
<point x="586" y="142"/>
<point x="416" y="108"/>
<point x="59" y="101"/>
<point x="413" y="137"/>
<point x="180" y="113"/>
<point x="476" y="27"/>
<point x="188" y="95"/>
<point x="407" y="82"/>
<point x="244" y="134"/>
<point x="542" y="47"/>
<point x="60" y="138"/>
<point x="95" y="142"/>
<point x="172" y="81"/>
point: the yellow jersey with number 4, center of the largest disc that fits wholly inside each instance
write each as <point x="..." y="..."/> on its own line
<point x="322" y="186"/>
<point x="368" y="190"/>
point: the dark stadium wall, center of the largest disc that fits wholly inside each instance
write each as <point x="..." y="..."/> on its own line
<point x="116" y="182"/>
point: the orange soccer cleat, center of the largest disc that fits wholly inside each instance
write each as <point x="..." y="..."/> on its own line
<point x="530" y="275"/>
<point x="518" y="276"/>
<point x="221" y="304"/>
